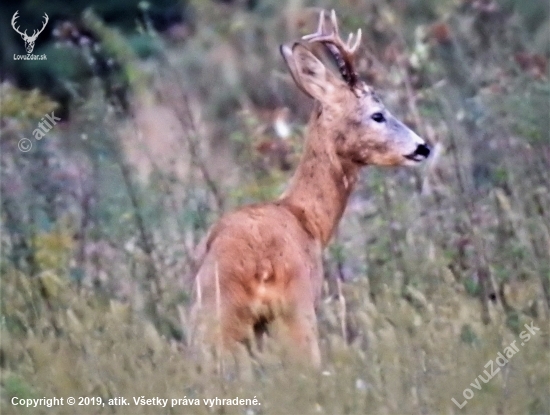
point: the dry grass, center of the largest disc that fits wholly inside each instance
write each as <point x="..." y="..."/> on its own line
<point x="404" y="357"/>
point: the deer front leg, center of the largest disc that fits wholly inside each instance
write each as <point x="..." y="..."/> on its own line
<point x="302" y="332"/>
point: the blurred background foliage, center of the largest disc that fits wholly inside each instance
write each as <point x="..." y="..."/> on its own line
<point x="175" y="112"/>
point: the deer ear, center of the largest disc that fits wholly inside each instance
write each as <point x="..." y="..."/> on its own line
<point x="286" y="51"/>
<point x="309" y="73"/>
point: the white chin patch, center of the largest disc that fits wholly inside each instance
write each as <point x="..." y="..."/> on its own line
<point x="412" y="161"/>
<point x="415" y="157"/>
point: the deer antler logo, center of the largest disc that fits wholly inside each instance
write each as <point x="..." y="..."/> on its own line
<point x="29" y="40"/>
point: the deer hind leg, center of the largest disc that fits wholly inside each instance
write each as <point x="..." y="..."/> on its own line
<point x="217" y="341"/>
<point x="299" y="329"/>
<point x="222" y="329"/>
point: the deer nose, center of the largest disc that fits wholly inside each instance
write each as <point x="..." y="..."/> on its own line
<point x="421" y="153"/>
<point x="422" y="150"/>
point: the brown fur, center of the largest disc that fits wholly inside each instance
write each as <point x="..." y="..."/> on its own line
<point x="263" y="263"/>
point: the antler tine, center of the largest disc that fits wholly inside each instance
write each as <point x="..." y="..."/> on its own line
<point x="350" y="38"/>
<point x="36" y="32"/>
<point x="325" y="36"/>
<point x="46" y="20"/>
<point x="334" y="22"/>
<point x="320" y="28"/>
<point x="14" y="22"/>
<point x="335" y="31"/>
<point x="355" y="46"/>
<point x="343" y="52"/>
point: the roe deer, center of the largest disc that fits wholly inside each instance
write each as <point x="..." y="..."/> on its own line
<point x="262" y="263"/>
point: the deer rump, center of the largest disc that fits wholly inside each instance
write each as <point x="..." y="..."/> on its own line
<point x="259" y="266"/>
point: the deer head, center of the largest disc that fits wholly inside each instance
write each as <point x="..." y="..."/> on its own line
<point x="364" y="130"/>
<point x="29" y="40"/>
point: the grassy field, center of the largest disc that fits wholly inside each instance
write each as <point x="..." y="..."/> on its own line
<point x="433" y="271"/>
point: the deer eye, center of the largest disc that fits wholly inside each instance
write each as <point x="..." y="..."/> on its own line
<point x="378" y="117"/>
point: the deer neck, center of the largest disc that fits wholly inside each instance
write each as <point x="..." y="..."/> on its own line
<point x="320" y="188"/>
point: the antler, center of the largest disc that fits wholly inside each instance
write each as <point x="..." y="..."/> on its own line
<point x="13" y="21"/>
<point x="24" y="34"/>
<point x="35" y="32"/>
<point x="343" y="52"/>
